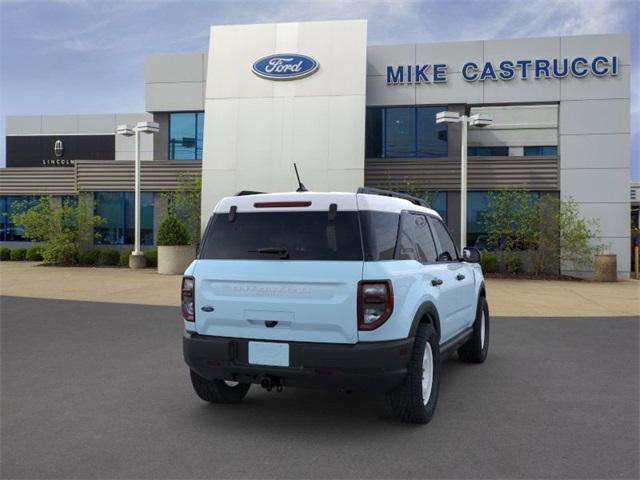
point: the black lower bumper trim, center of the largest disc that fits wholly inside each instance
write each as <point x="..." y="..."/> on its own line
<point x="370" y="366"/>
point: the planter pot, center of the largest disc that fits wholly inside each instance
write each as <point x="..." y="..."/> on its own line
<point x="606" y="268"/>
<point x="175" y="260"/>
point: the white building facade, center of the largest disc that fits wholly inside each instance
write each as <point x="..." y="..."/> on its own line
<point x="351" y="114"/>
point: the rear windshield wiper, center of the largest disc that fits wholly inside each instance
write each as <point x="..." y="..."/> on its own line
<point x="283" y="252"/>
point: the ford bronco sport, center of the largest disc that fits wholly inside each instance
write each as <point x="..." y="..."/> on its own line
<point x="354" y="291"/>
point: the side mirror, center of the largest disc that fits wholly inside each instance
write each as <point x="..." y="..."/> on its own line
<point x="471" y="255"/>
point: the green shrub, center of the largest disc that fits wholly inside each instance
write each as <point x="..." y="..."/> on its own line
<point x="152" y="258"/>
<point x="61" y="254"/>
<point x="124" y="258"/>
<point x="18" y="254"/>
<point x="5" y="254"/>
<point x="90" y="257"/>
<point x="63" y="227"/>
<point x="489" y="263"/>
<point x="513" y="263"/>
<point x="34" y="254"/>
<point x="172" y="232"/>
<point x="109" y="257"/>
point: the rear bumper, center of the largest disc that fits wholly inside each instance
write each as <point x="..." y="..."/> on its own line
<point x="374" y="366"/>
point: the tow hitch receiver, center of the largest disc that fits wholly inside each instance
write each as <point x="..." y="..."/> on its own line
<point x="269" y="383"/>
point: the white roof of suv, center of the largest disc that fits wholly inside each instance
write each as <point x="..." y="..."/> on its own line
<point x="318" y="201"/>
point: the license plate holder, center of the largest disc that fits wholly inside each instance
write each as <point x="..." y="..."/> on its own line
<point x="269" y="353"/>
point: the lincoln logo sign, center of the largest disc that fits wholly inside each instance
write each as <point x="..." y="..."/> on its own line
<point x="285" y="66"/>
<point x="58" y="148"/>
<point x="505" y="70"/>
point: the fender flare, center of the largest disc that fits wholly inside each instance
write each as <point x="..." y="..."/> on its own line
<point x="427" y="308"/>
<point x="482" y="292"/>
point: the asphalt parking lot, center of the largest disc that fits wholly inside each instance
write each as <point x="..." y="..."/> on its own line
<point x="99" y="390"/>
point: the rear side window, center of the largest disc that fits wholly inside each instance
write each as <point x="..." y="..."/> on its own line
<point x="379" y="232"/>
<point x="447" y="251"/>
<point x="415" y="241"/>
<point x="283" y="235"/>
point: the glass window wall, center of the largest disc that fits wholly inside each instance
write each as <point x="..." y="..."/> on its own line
<point x="117" y="209"/>
<point x="185" y="135"/>
<point x="393" y="132"/>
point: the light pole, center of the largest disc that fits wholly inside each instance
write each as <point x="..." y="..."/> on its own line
<point x="477" y="120"/>
<point x="136" y="259"/>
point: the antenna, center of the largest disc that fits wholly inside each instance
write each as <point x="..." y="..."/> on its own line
<point x="301" y="187"/>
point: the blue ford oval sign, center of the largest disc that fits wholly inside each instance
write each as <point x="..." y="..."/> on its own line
<point x="285" y="66"/>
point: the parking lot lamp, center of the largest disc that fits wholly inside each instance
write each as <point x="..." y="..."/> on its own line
<point x="136" y="259"/>
<point x="477" y="120"/>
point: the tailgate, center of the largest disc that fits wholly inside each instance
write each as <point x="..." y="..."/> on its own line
<point x="299" y="301"/>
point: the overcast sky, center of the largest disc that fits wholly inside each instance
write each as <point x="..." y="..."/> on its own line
<point x="84" y="56"/>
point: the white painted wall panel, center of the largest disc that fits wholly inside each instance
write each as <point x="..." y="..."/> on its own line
<point x="455" y="90"/>
<point x="379" y="56"/>
<point x="595" y="151"/>
<point x="516" y="138"/>
<point x="521" y="91"/>
<point x="346" y="132"/>
<point x="175" y="97"/>
<point x="594" y="117"/>
<point x="58" y="124"/>
<point x="596" y="185"/>
<point x="593" y="88"/>
<point x="23" y="125"/>
<point x="453" y="54"/>
<point x="97" y="124"/>
<point x="520" y="116"/>
<point x="521" y="49"/>
<point x="381" y="94"/>
<point x="612" y="219"/>
<point x="256" y="128"/>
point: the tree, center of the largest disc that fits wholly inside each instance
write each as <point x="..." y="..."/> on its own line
<point x="184" y="203"/>
<point x="63" y="227"/>
<point x="578" y="237"/>
<point x="509" y="219"/>
<point x="549" y="228"/>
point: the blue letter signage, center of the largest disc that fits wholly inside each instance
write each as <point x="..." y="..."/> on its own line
<point x="285" y="66"/>
<point x="578" y="67"/>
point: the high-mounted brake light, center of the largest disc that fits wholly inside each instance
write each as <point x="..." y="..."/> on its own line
<point x="188" y="299"/>
<point x="281" y="204"/>
<point x="375" y="303"/>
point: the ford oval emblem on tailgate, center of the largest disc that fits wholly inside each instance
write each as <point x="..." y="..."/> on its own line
<point x="207" y="308"/>
<point x="284" y="66"/>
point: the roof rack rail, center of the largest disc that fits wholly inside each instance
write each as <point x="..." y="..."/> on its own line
<point x="242" y="193"/>
<point x="389" y="193"/>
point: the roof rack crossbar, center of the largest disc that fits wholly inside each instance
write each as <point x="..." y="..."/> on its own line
<point x="389" y="193"/>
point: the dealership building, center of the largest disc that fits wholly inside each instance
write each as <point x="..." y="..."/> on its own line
<point x="349" y="114"/>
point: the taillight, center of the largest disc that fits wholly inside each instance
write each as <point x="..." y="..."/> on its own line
<point x="375" y="303"/>
<point x="188" y="299"/>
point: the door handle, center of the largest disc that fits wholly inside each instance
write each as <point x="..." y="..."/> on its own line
<point x="460" y="277"/>
<point x="436" y="281"/>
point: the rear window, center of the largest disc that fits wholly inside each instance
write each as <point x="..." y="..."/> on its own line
<point x="283" y="235"/>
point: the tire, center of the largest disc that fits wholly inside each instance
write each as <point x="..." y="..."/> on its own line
<point x="407" y="403"/>
<point x="218" y="391"/>
<point x="476" y="348"/>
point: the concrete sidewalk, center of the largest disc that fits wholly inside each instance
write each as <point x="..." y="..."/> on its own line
<point x="514" y="298"/>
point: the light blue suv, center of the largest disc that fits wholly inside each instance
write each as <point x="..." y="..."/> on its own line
<point x="355" y="291"/>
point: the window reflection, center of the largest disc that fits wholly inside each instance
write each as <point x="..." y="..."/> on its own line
<point x="117" y="209"/>
<point x="405" y="132"/>
<point x="185" y="135"/>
